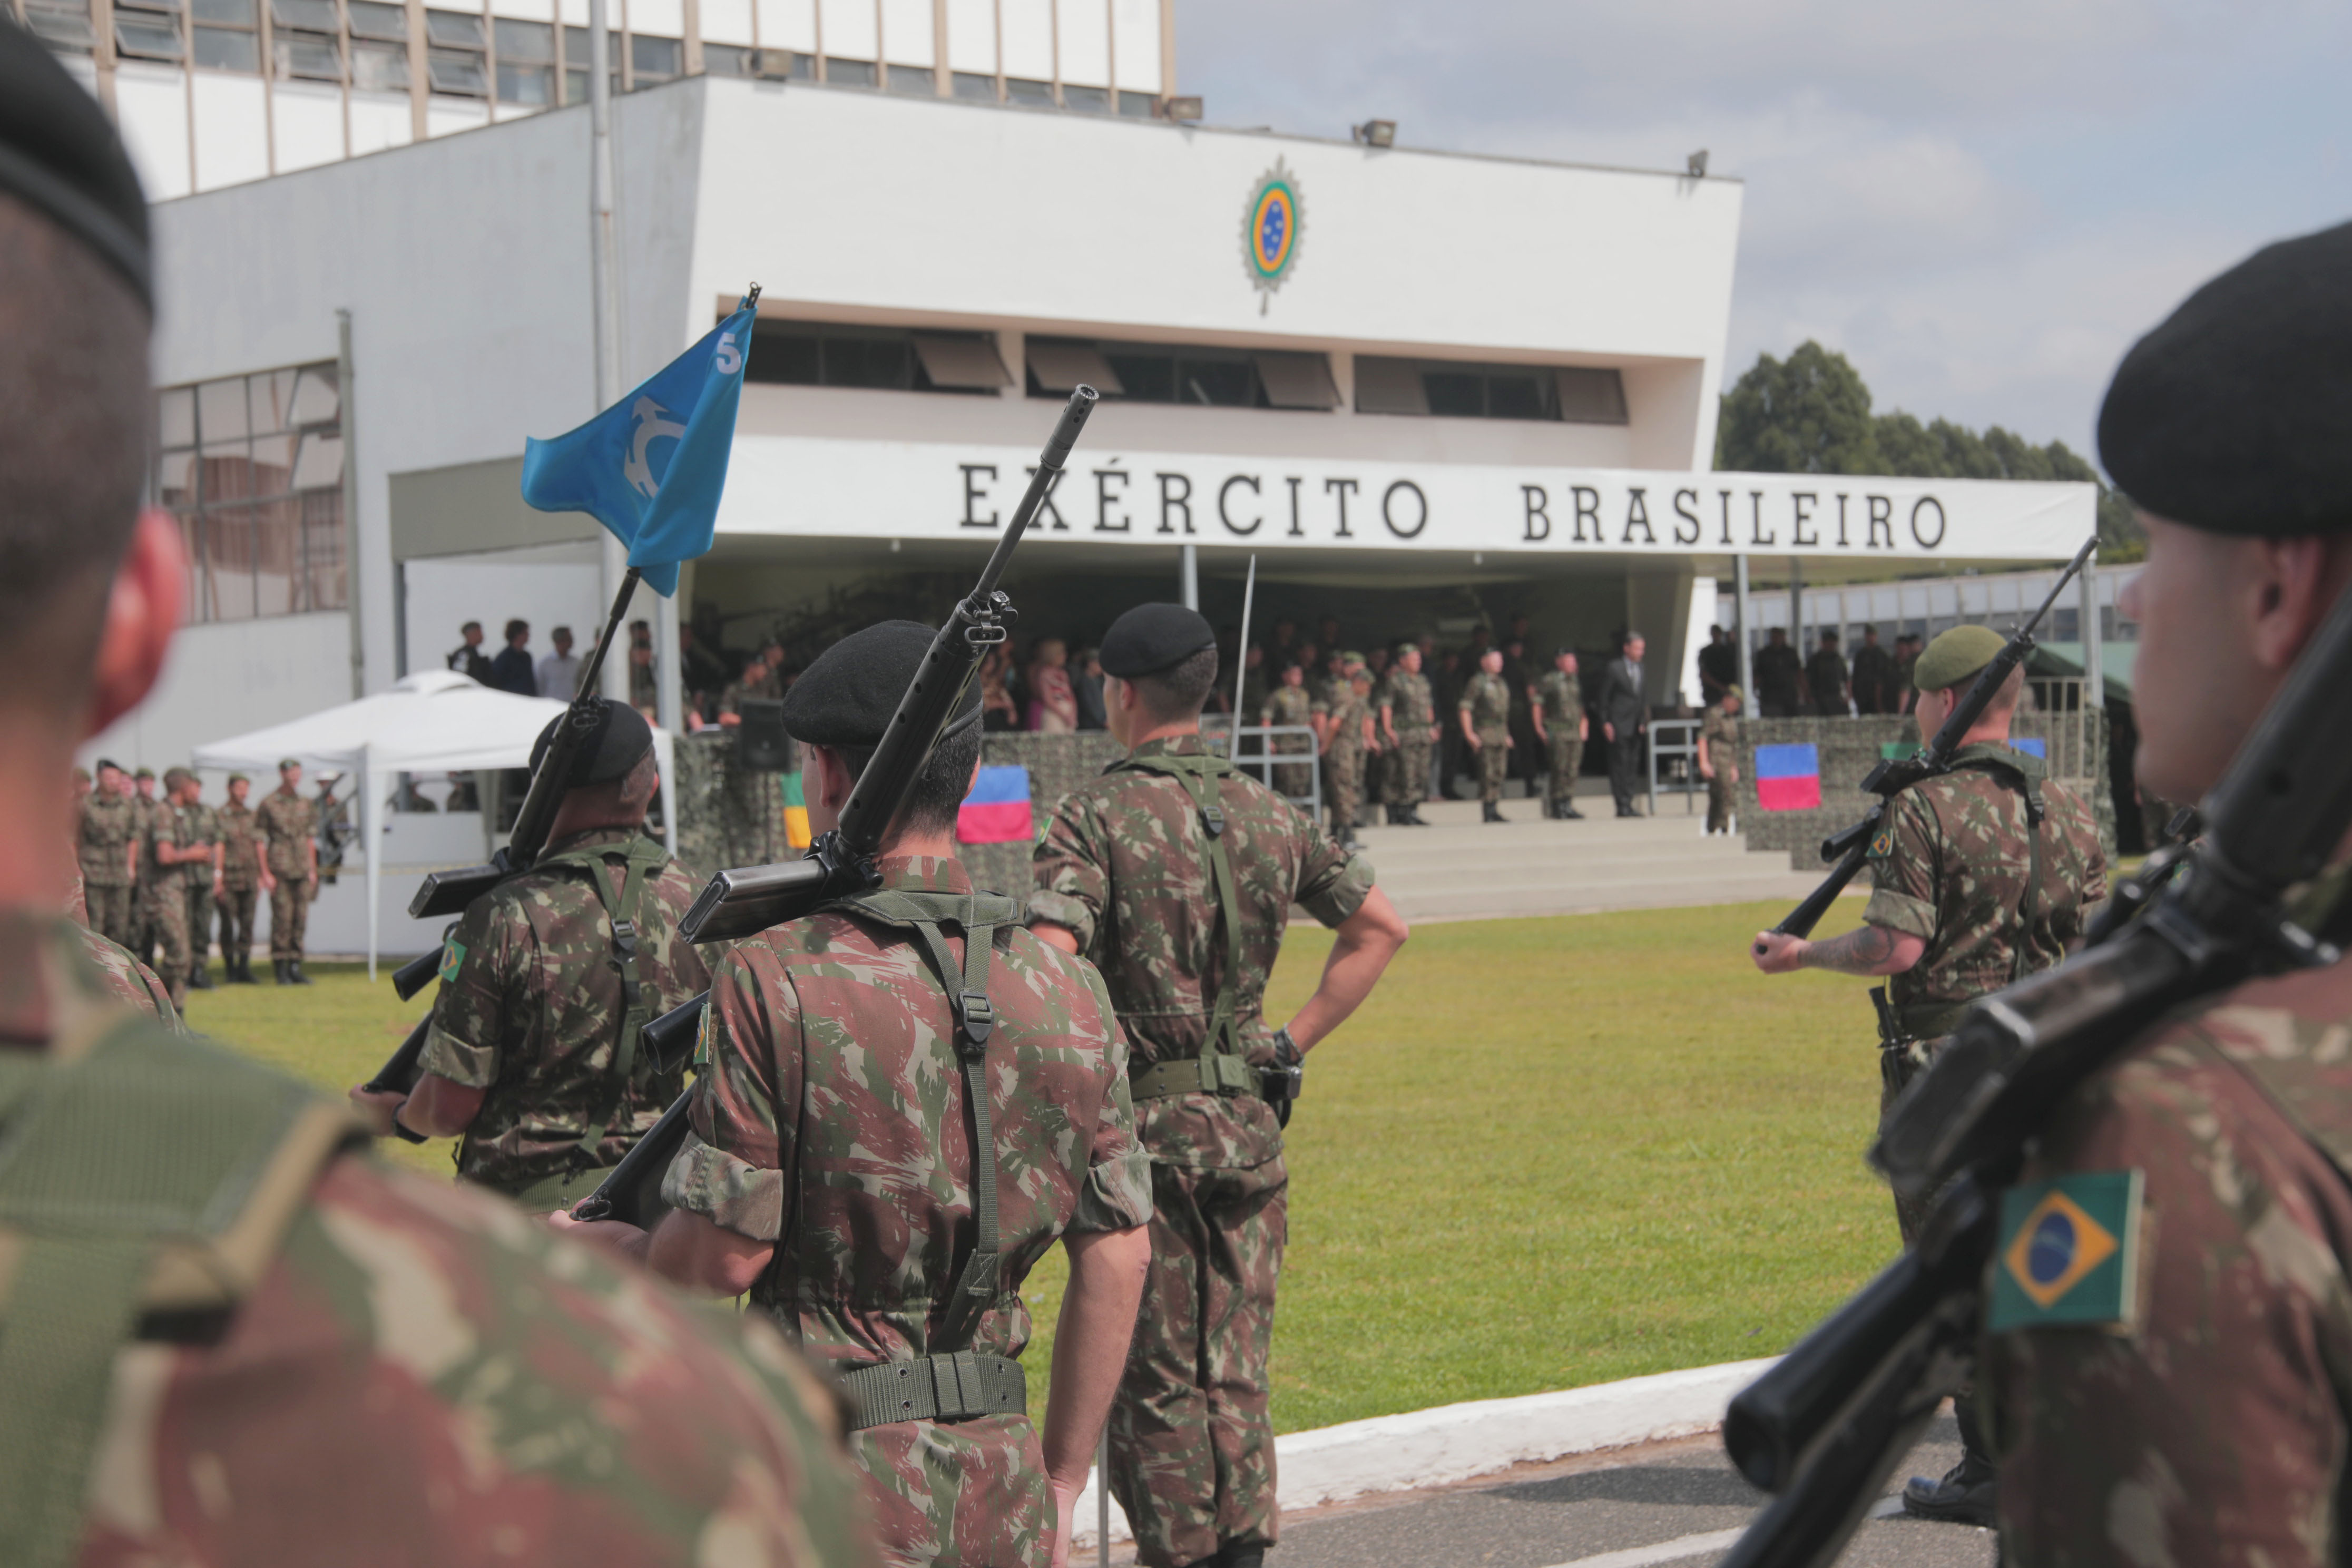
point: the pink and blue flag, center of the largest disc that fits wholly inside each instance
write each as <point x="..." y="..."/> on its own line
<point x="2031" y="745"/>
<point x="997" y="810"/>
<point x="1789" y="778"/>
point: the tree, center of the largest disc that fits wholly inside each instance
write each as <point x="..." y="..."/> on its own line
<point x="1811" y="414"/>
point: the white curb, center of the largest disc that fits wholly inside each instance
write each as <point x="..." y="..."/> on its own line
<point x="1458" y="1442"/>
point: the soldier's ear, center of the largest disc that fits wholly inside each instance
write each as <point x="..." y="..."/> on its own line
<point x="142" y="612"/>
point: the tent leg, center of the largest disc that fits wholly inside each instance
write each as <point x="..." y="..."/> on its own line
<point x="372" y="825"/>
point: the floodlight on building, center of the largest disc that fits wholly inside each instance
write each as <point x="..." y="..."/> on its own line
<point x="1696" y="164"/>
<point x="1184" y="110"/>
<point x="1375" y="133"/>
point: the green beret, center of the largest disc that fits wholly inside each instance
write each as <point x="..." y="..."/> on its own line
<point x="846" y="697"/>
<point x="238" y="778"/>
<point x="618" y="737"/>
<point x="144" y="774"/>
<point x="1149" y="639"/>
<point x="1734" y="693"/>
<point x="81" y="776"/>
<point x="284" y="763"/>
<point x="2230" y="416"/>
<point x="1954" y="656"/>
<point x="174" y="777"/>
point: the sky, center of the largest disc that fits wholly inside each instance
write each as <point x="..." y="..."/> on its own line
<point x="1981" y="203"/>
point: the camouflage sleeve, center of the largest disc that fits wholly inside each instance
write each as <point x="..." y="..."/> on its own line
<point x="1901" y="861"/>
<point x="1333" y="883"/>
<point x="2212" y="1430"/>
<point x="1069" y="874"/>
<point x="1118" y="1191"/>
<point x="128" y="980"/>
<point x="731" y="1168"/>
<point x="469" y="1013"/>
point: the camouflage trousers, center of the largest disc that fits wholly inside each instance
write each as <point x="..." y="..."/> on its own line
<point x="1567" y="757"/>
<point x="236" y="923"/>
<point x="1408" y="773"/>
<point x="1897" y="1066"/>
<point x="1191" y="1443"/>
<point x="1722" y="793"/>
<point x="1343" y="784"/>
<point x="1493" y="763"/>
<point x="199" y="900"/>
<point x="289" y="914"/>
<point x="110" y="912"/>
<point x="164" y="908"/>
<point x="1292" y="779"/>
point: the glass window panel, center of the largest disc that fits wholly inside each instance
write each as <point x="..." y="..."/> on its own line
<point x="1034" y="94"/>
<point x="848" y="73"/>
<point x="306" y="15"/>
<point x="575" y="46"/>
<point x="220" y="49"/>
<point x="913" y="81"/>
<point x="175" y="417"/>
<point x="656" y="60"/>
<point x="1137" y="105"/>
<point x="316" y="401"/>
<point x="525" y="43"/>
<point x="532" y="86"/>
<point x="456" y="73"/>
<point x="226" y="472"/>
<point x="62" y="26"/>
<point x="1592" y="397"/>
<point x="220" y="409"/>
<point x="458" y="30"/>
<point x="308" y="55"/>
<point x="575" y="86"/>
<point x="1222" y="384"/>
<point x="374" y="19"/>
<point x="1085" y="99"/>
<point x="1296" y="381"/>
<point x="155" y="39"/>
<point x="325" y="585"/>
<point x="273" y="464"/>
<point x="1057" y="367"/>
<point x="175" y="478"/>
<point x="228" y="13"/>
<point x="783" y="354"/>
<point x="1147" y="378"/>
<point x="191" y="533"/>
<point x="1457" y="393"/>
<point x="729" y="60"/>
<point x="975" y="87"/>
<point x="226" y="549"/>
<point x="1515" y="397"/>
<point x="379" y="68"/>
<point x="171" y="6"/>
<point x="270" y="396"/>
<point x="277" y="547"/>
<point x="877" y="362"/>
<point x="320" y="464"/>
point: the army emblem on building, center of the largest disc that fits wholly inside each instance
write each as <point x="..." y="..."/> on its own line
<point x="1271" y="223"/>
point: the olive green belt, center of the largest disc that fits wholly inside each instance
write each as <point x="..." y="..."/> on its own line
<point x="1922" y="1021"/>
<point x="955" y="1387"/>
<point x="1218" y="1072"/>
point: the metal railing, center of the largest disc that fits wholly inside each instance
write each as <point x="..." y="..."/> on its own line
<point x="1675" y="743"/>
<point x="1257" y="755"/>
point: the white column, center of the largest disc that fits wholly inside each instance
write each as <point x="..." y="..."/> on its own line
<point x="372" y="828"/>
<point x="1747" y="653"/>
<point x="604" y="271"/>
<point x="1188" y="576"/>
<point x="2095" y="664"/>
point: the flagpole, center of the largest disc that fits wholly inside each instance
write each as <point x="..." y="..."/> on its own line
<point x="603" y="273"/>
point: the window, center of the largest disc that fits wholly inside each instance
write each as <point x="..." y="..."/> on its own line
<point x="227" y="35"/>
<point x="654" y="61"/>
<point x="61" y="24"/>
<point x="375" y="19"/>
<point x="526" y="62"/>
<point x="971" y="85"/>
<point x="1574" y="393"/>
<point x="147" y="30"/>
<point x="1170" y="372"/>
<point x="253" y="468"/>
<point x="379" y="45"/>
<point x="912" y="81"/>
<point x="1085" y="99"/>
<point x="1138" y="105"/>
<point x="575" y="64"/>
<point x="1031" y="94"/>
<point x="769" y="65"/>
<point x="455" y="62"/>
<point x="811" y="353"/>
<point x="848" y="73"/>
<point x="306" y="39"/>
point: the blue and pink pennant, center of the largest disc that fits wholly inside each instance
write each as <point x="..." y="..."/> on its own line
<point x="997" y="811"/>
<point x="1789" y="778"/>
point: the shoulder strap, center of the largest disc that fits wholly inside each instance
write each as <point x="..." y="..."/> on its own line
<point x="645" y="860"/>
<point x="1198" y="776"/>
<point x="979" y="915"/>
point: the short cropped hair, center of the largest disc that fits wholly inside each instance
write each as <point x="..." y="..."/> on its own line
<point x="940" y="787"/>
<point x="1177" y="691"/>
<point x="516" y="629"/>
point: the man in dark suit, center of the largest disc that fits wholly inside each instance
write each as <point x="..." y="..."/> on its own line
<point x="1624" y="718"/>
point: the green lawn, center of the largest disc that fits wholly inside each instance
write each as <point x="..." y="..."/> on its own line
<point x="1549" y="1152"/>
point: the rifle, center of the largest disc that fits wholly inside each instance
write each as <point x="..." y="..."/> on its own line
<point x="448" y="893"/>
<point x="749" y="900"/>
<point x="1893" y="775"/>
<point x="1824" y="1428"/>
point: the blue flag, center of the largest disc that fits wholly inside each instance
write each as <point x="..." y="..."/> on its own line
<point x="651" y="466"/>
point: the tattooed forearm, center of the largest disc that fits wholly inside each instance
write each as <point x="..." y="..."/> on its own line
<point x="1863" y="951"/>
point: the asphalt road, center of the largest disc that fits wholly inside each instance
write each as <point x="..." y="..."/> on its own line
<point x="1677" y="1503"/>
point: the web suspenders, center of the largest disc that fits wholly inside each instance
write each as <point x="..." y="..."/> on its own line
<point x="644" y="860"/>
<point x="1223" y="1066"/>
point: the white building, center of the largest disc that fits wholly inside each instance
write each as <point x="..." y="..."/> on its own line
<point x="1444" y="388"/>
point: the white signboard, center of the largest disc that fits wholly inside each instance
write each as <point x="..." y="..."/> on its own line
<point x="837" y="489"/>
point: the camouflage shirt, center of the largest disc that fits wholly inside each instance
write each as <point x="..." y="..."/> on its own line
<point x="2213" y="1429"/>
<point x="1561" y="697"/>
<point x="123" y="976"/>
<point x="1123" y="864"/>
<point x="160" y="823"/>
<point x="1347" y="709"/>
<point x="104" y="825"/>
<point x="1406" y="697"/>
<point x="1950" y="864"/>
<point x="240" y="847"/>
<point x="530" y="1009"/>
<point x="418" y="1375"/>
<point x="1720" y="730"/>
<point x="831" y="1091"/>
<point x="286" y="821"/>
<point x="1288" y="706"/>
<point x="203" y="830"/>
<point x="1488" y="700"/>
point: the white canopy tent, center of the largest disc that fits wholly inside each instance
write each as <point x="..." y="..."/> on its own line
<point x="434" y="722"/>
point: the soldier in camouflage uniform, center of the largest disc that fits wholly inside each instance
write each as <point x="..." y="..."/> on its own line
<point x="762" y="681"/>
<point x="143" y="806"/>
<point x="290" y="870"/>
<point x="166" y="850"/>
<point x="1128" y="873"/>
<point x="1346" y="727"/>
<point x="1981" y="877"/>
<point x="253" y="1345"/>
<point x="533" y="1055"/>
<point x="1718" y="757"/>
<point x="1409" y="727"/>
<point x="104" y="834"/>
<point x="240" y="877"/>
<point x="1485" y="715"/>
<point x="1288" y="707"/>
<point x="2205" y="1415"/>
<point x="200" y="879"/>
<point x="837" y="1172"/>
<point x="1563" y="727"/>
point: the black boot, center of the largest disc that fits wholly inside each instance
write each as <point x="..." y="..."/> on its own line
<point x="294" y="972"/>
<point x="1492" y="813"/>
<point x="1413" y="817"/>
<point x="244" y="975"/>
<point x="198" y="979"/>
<point x="278" y="971"/>
<point x="1965" y="1495"/>
<point x="1235" y="1555"/>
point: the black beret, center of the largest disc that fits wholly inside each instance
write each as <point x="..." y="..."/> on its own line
<point x="1149" y="639"/>
<point x="621" y="736"/>
<point x="846" y="697"/>
<point x="2234" y="415"/>
<point x="60" y="156"/>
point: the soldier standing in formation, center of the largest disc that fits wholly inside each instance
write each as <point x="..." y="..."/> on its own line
<point x="1288" y="706"/>
<point x="1346" y="727"/>
<point x="200" y="879"/>
<point x="547" y="982"/>
<point x="1563" y="727"/>
<point x="1408" y="728"/>
<point x="1625" y="719"/>
<point x="106" y="844"/>
<point x="1826" y="673"/>
<point x="906" y="1099"/>
<point x="762" y="681"/>
<point x="1176" y="874"/>
<point x="143" y="806"/>
<point x="1718" y="757"/>
<point x="1873" y="677"/>
<point x="239" y="877"/>
<point x="262" y="1347"/>
<point x="1981" y="877"/>
<point x="1486" y="718"/>
<point x="166" y="851"/>
<point x="1780" y="678"/>
<point x="290" y="870"/>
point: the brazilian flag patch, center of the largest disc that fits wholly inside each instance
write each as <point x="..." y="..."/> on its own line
<point x="1883" y="844"/>
<point x="453" y="954"/>
<point x="2069" y="1253"/>
<point x="702" y="1041"/>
